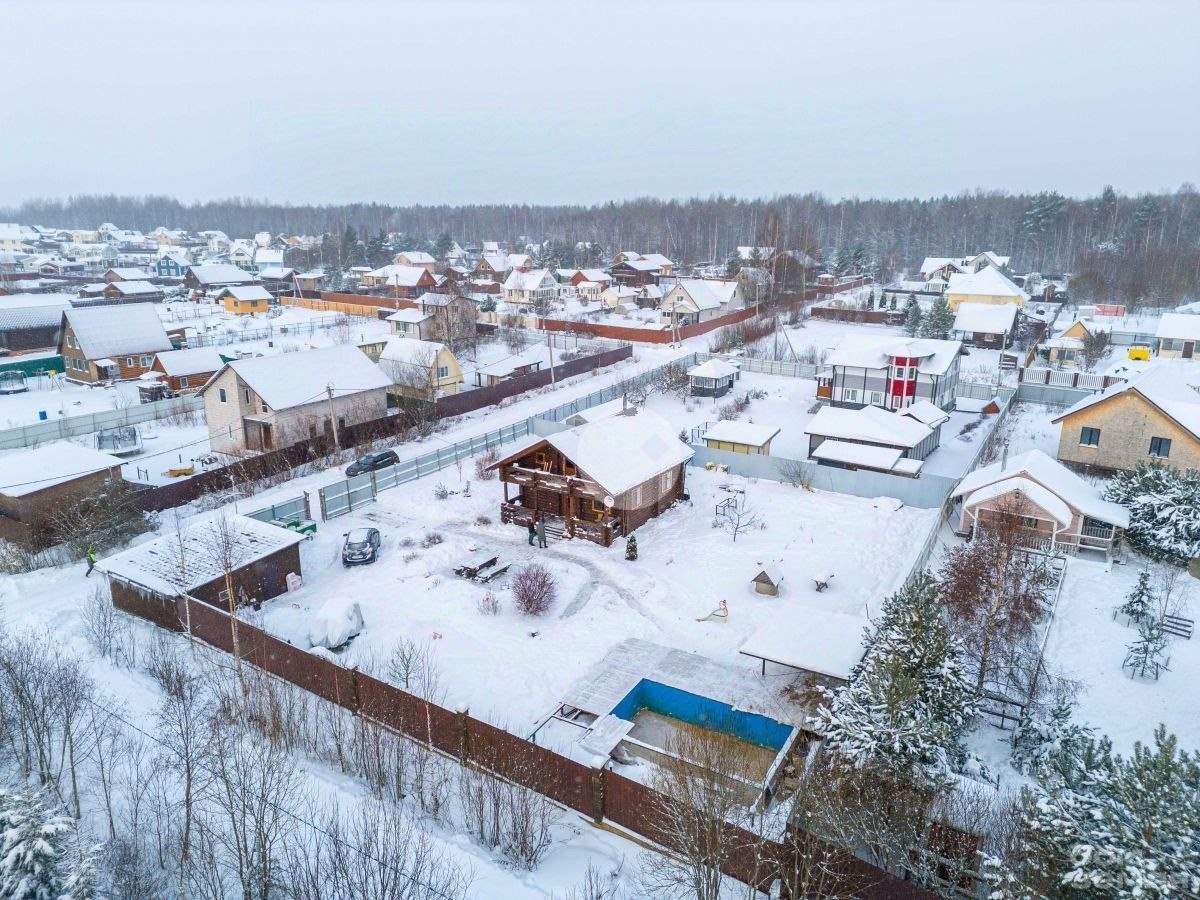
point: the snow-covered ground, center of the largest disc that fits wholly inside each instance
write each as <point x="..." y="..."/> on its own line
<point x="59" y="398"/>
<point x="513" y="669"/>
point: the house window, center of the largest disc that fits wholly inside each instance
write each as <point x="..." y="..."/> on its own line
<point x="876" y="398"/>
<point x="443" y="371"/>
<point x="246" y="391"/>
<point x="265" y="409"/>
<point x="146" y="360"/>
<point x="1068" y="355"/>
<point x="1089" y="437"/>
<point x="1160" y="447"/>
<point x="129" y="361"/>
<point x="1029" y="521"/>
<point x="183" y="381"/>
<point x="850" y="395"/>
<point x="221" y="394"/>
<point x="665" y="482"/>
<point x="635" y="497"/>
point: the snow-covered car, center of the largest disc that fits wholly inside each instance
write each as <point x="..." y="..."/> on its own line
<point x="370" y="462"/>
<point x="361" y="546"/>
<point x="335" y="624"/>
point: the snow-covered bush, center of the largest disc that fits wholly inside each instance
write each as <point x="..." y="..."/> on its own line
<point x="488" y="604"/>
<point x="1164" y="510"/>
<point x="440" y="491"/>
<point x="482" y="462"/>
<point x="534" y="589"/>
<point x="431" y="539"/>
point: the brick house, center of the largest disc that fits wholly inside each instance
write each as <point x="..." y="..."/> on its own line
<point x="186" y="371"/>
<point x="111" y="343"/>
<point x="35" y="482"/>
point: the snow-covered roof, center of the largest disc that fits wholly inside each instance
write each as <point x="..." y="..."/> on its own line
<point x="600" y="411"/>
<point x="271" y="257"/>
<point x="497" y="261"/>
<point x="528" y="281"/>
<point x="400" y="276"/>
<point x="1169" y="385"/>
<point x="987" y="282"/>
<point x="527" y="357"/>
<point x="294" y="379"/>
<point x="734" y="432"/>
<point x="1051" y="475"/>
<point x="178" y="258"/>
<point x="118" y="330"/>
<point x="656" y="259"/>
<point x="870" y="456"/>
<point x="409" y="316"/>
<point x="926" y="412"/>
<point x="25" y="472"/>
<point x="129" y="274"/>
<point x="1178" y="326"/>
<point x="750" y="254"/>
<point x="871" y="424"/>
<point x="133" y="288"/>
<point x="714" y="368"/>
<point x="416" y="257"/>
<point x="642" y="265"/>
<point x="277" y="273"/>
<point x="246" y="292"/>
<point x="193" y="361"/>
<point x="985" y="318"/>
<point x="933" y="263"/>
<point x="157" y="566"/>
<point x="410" y="352"/>
<point x="43" y="312"/>
<point x="934" y="357"/>
<point x="221" y="273"/>
<point x="704" y="293"/>
<point x="811" y="638"/>
<point x="1043" y="497"/>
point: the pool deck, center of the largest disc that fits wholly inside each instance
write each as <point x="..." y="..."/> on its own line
<point x="608" y="682"/>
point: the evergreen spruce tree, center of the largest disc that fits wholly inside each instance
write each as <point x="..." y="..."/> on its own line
<point x="31" y="843"/>
<point x="1147" y="655"/>
<point x="1164" y="510"/>
<point x="912" y="318"/>
<point x="909" y="700"/>
<point x="631" y="548"/>
<point x="1050" y="742"/>
<point x="1137" y="605"/>
<point x="938" y="321"/>
<point x="1108" y="827"/>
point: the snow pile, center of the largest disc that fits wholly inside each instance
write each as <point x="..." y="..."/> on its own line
<point x="337" y="621"/>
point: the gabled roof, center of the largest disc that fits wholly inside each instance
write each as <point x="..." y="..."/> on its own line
<point x="870" y="424"/>
<point x="400" y="276"/>
<point x="295" y="379"/>
<point x="734" y="432"/>
<point x="657" y="259"/>
<point x="641" y="265"/>
<point x="214" y="274"/>
<point x="987" y="282"/>
<point x="117" y="330"/>
<point x="416" y="257"/>
<point x="156" y="564"/>
<point x="277" y="273"/>
<point x="1179" y="326"/>
<point x="1031" y="490"/>
<point x="405" y="351"/>
<point x="133" y="288"/>
<point x="934" y="357"/>
<point x="24" y="472"/>
<point x="933" y="263"/>
<point x="20" y="311"/>
<point x="409" y="316"/>
<point x="528" y="281"/>
<point x="985" y="318"/>
<point x="129" y="274"/>
<point x="619" y="452"/>
<point x="246" y="292"/>
<point x="193" y="361"/>
<point x="706" y="294"/>
<point x="497" y="261"/>
<point x="1170" y="386"/>
<point x="926" y="412"/>
<point x="1050" y="475"/>
<point x="714" y="368"/>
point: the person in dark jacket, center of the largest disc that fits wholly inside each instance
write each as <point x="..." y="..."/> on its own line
<point x="532" y="533"/>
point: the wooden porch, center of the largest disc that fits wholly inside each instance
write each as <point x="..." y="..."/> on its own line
<point x="571" y="505"/>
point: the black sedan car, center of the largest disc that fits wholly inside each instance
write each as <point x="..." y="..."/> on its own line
<point x="369" y="462"/>
<point x="360" y="547"/>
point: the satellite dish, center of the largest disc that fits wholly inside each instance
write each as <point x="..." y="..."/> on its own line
<point x="608" y="502"/>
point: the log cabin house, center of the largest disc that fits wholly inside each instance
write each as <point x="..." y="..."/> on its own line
<point x="595" y="481"/>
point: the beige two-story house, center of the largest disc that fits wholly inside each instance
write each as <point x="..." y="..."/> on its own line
<point x="260" y="404"/>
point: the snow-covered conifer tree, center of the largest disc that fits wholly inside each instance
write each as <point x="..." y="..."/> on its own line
<point x="1138" y="604"/>
<point x="31" y="843"/>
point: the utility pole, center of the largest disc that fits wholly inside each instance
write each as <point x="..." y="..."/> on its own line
<point x="550" y="344"/>
<point x="333" y="426"/>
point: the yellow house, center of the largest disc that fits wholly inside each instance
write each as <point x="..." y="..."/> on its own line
<point x="740" y="437"/>
<point x="1155" y="417"/>
<point x="245" y="300"/>
<point x="988" y="285"/>
<point x="425" y="370"/>
<point x="1079" y="329"/>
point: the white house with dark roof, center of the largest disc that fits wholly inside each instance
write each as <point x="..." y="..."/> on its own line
<point x="536" y="287"/>
<point x="985" y="324"/>
<point x="693" y="300"/>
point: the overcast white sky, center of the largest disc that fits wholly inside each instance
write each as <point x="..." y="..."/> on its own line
<point x="463" y="102"/>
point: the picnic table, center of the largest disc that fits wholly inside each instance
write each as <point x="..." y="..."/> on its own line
<point x="486" y="571"/>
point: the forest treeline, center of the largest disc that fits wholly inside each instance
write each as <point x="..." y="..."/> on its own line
<point x="1129" y="248"/>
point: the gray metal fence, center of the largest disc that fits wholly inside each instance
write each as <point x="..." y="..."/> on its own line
<point x="295" y="508"/>
<point x="341" y="497"/>
<point x="74" y="426"/>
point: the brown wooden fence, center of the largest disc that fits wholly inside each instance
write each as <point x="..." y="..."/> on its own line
<point x="646" y="335"/>
<point x="597" y="793"/>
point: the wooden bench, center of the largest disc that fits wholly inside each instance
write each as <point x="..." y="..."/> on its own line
<point x="1178" y="626"/>
<point x="473" y="572"/>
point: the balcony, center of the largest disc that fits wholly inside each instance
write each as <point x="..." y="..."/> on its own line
<point x="603" y="531"/>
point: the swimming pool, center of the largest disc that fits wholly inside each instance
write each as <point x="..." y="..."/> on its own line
<point x="703" y="712"/>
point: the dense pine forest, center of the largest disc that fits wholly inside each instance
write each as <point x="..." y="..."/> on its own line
<point x="1135" y="249"/>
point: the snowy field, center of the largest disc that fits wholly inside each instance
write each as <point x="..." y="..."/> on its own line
<point x="512" y="669"/>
